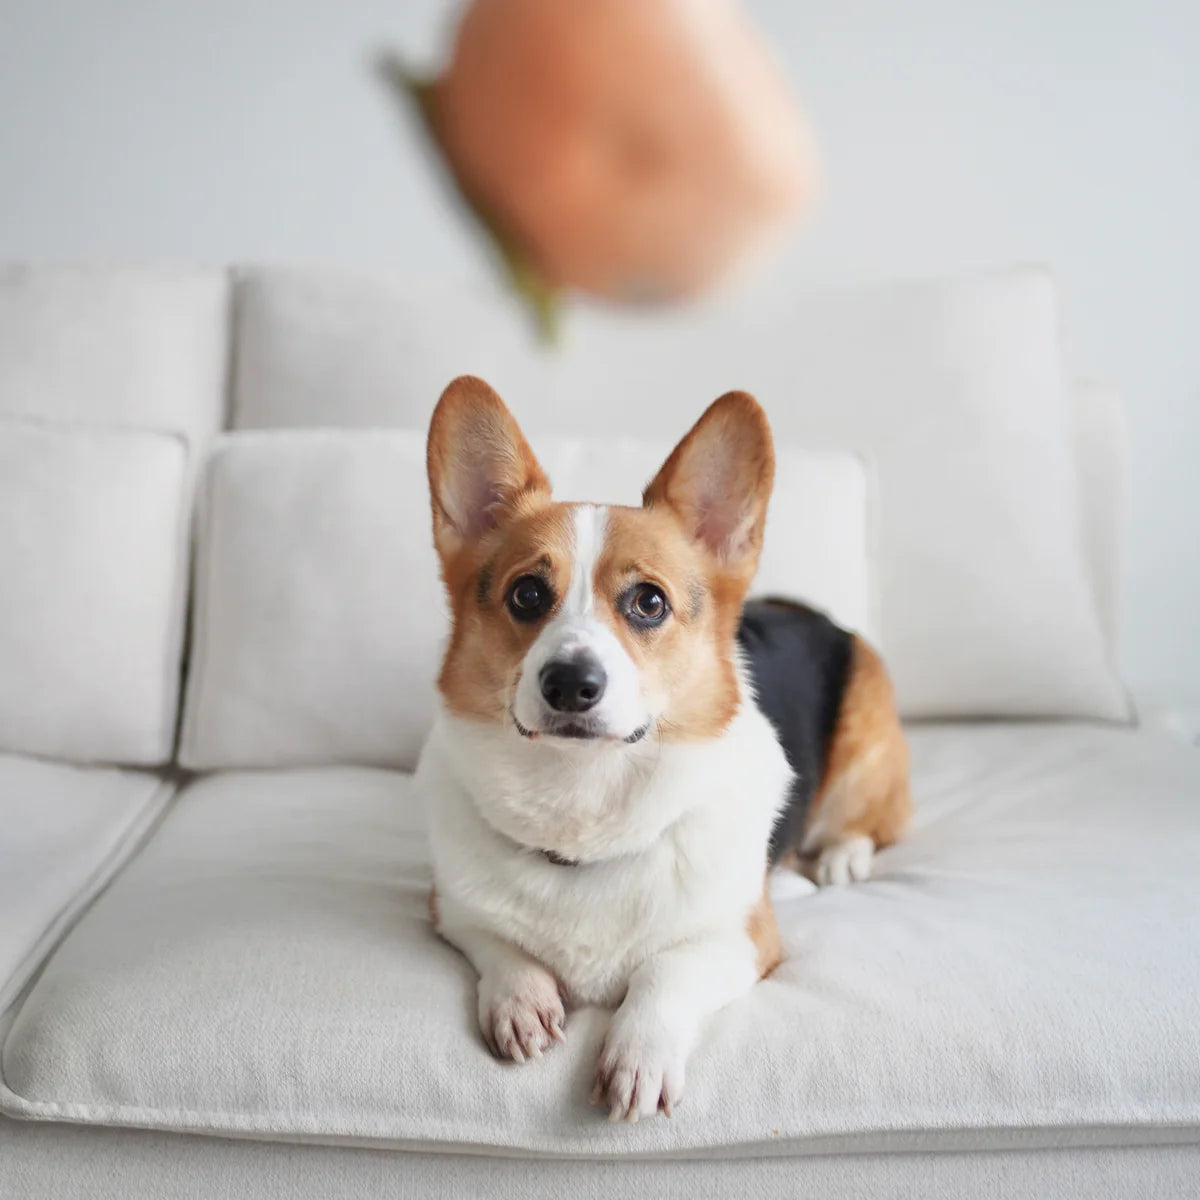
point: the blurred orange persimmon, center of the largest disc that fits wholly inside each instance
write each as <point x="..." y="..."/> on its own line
<point x="632" y="149"/>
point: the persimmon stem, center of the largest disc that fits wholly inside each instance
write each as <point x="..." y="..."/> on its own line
<point x="520" y="274"/>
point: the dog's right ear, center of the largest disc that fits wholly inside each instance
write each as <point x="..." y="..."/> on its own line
<point x="481" y="468"/>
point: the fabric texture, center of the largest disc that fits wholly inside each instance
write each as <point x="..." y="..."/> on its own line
<point x="138" y="347"/>
<point x="954" y="389"/>
<point x="1019" y="974"/>
<point x="1102" y="442"/>
<point x="66" y="830"/>
<point x="315" y="346"/>
<point x="319" y="615"/>
<point x="49" y="1162"/>
<point x="93" y="538"/>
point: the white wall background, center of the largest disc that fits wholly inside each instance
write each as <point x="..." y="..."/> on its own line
<point x="956" y="133"/>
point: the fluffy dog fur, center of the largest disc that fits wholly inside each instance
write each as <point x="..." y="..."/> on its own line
<point x="613" y="851"/>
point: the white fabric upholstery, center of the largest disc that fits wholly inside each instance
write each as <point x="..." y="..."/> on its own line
<point x="324" y="346"/>
<point x="1020" y="973"/>
<point x="954" y="388"/>
<point x="321" y="346"/>
<point x="50" y="1162"/>
<point x="318" y="608"/>
<point x="1020" y="977"/>
<point x="1101" y="454"/>
<point x="93" y="542"/>
<point x="143" y="347"/>
<point x="319" y="617"/>
<point x="66" y="829"/>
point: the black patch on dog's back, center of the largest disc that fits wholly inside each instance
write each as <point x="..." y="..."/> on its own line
<point x="799" y="661"/>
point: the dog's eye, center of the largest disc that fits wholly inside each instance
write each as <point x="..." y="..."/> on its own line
<point x="647" y="604"/>
<point x="528" y="598"/>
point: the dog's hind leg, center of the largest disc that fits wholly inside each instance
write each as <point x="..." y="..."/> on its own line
<point x="863" y="801"/>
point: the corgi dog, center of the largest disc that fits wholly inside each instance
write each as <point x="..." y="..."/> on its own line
<point x="623" y="748"/>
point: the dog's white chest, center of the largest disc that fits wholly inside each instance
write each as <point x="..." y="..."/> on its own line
<point x="675" y="851"/>
<point x="592" y="925"/>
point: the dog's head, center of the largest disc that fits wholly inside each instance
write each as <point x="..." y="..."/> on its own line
<point x="583" y="624"/>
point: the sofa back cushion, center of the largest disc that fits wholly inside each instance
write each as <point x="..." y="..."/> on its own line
<point x="94" y="515"/>
<point x="135" y="347"/>
<point x="954" y="389"/>
<point x="1102" y="450"/>
<point x="319" y="615"/>
<point x="93" y="542"/>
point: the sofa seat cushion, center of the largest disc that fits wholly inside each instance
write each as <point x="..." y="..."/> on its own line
<point x="1023" y="971"/>
<point x="66" y="830"/>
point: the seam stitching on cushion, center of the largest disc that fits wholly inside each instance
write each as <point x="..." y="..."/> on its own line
<point x="123" y="846"/>
<point x="269" y="1123"/>
<point x="205" y="550"/>
<point x="175" y="640"/>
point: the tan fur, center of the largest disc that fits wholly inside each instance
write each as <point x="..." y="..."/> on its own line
<point x="865" y="788"/>
<point x="764" y="933"/>
<point x="688" y="662"/>
<point x="486" y="647"/>
<point x="790" y="860"/>
<point x="728" y="452"/>
<point x="476" y="451"/>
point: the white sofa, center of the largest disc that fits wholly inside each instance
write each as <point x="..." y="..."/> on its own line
<point x="217" y="976"/>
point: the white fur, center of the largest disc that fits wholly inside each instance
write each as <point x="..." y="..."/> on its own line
<point x="785" y="884"/>
<point x="622" y="709"/>
<point x="846" y="861"/>
<point x="589" y="522"/>
<point x="671" y="843"/>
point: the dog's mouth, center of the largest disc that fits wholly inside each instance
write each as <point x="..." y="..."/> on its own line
<point x="579" y="731"/>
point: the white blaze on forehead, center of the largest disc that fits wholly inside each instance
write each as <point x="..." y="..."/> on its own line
<point x="590" y="523"/>
<point x="577" y="628"/>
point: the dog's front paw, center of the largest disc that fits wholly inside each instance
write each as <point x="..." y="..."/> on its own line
<point x="847" y="861"/>
<point x="521" y="1012"/>
<point x="640" y="1069"/>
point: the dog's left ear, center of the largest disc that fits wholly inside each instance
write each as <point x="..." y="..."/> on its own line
<point x="718" y="480"/>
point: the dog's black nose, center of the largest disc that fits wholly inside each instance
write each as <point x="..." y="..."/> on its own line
<point x="573" y="685"/>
